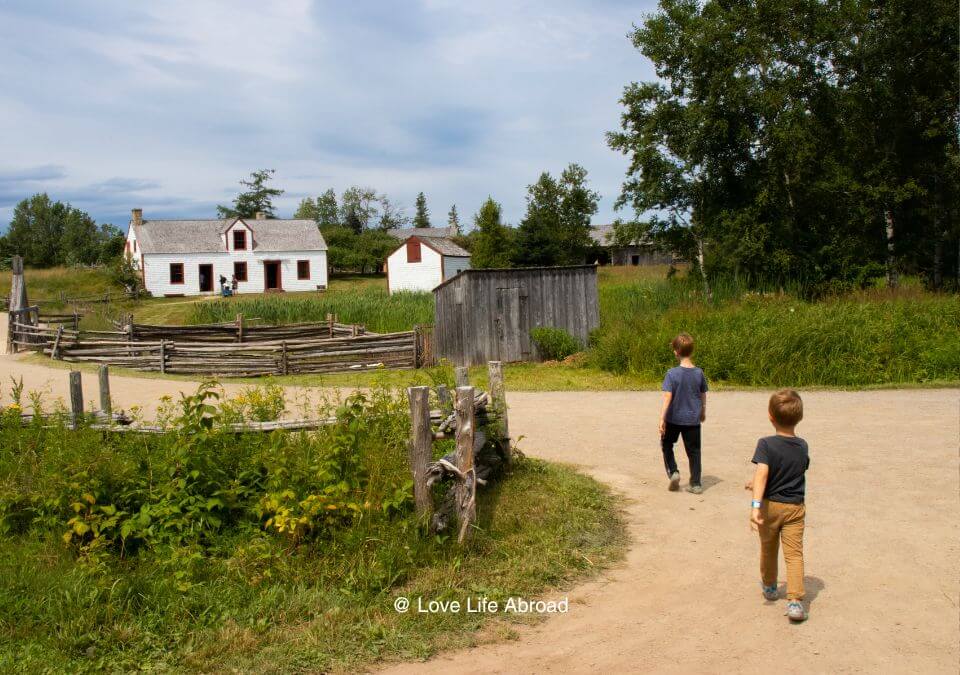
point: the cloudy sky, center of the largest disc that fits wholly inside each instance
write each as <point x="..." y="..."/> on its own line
<point x="113" y="104"/>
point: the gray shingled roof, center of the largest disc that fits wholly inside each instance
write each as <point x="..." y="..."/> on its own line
<point x="603" y="234"/>
<point x="442" y="245"/>
<point x="204" y="236"/>
<point x="405" y="232"/>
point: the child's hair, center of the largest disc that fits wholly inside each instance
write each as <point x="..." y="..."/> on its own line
<point x="682" y="344"/>
<point x="786" y="408"/>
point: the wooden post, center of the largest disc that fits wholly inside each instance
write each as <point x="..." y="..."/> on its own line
<point x="76" y="319"/>
<point x="240" y="327"/>
<point x="416" y="346"/>
<point x="11" y="335"/>
<point x="466" y="495"/>
<point x="461" y="375"/>
<point x="353" y="330"/>
<point x="76" y="398"/>
<point x="55" y="351"/>
<point x="163" y="356"/>
<point x="129" y="327"/>
<point x="330" y="323"/>
<point x="443" y="396"/>
<point x="420" y="448"/>
<point x="106" y="407"/>
<point x="498" y="400"/>
<point x="18" y="285"/>
<point x="283" y="358"/>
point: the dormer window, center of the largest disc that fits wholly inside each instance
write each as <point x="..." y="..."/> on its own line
<point x="239" y="240"/>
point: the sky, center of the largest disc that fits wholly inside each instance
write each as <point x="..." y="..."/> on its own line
<point x="166" y="105"/>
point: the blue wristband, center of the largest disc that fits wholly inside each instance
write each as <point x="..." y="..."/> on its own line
<point x="755" y="503"/>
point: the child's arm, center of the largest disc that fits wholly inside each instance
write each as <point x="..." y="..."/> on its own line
<point x="703" y="406"/>
<point x="667" y="397"/>
<point x="759" y="485"/>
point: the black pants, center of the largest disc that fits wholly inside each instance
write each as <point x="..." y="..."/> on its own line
<point x="691" y="443"/>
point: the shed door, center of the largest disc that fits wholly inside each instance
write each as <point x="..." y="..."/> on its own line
<point x="510" y="333"/>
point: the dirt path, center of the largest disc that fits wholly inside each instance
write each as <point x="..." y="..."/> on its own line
<point x="883" y="570"/>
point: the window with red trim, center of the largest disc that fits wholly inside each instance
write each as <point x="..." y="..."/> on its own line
<point x="413" y="251"/>
<point x="303" y="269"/>
<point x="239" y="240"/>
<point x="176" y="273"/>
<point x="240" y="271"/>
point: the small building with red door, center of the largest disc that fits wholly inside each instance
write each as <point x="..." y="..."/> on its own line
<point x="188" y="257"/>
<point x="421" y="263"/>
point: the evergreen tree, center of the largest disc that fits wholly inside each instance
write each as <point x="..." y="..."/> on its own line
<point x="307" y="210"/>
<point x="492" y="245"/>
<point x="257" y="198"/>
<point x="422" y="216"/>
<point x="453" y="221"/>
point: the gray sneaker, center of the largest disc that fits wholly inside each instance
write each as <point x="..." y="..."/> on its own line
<point x="674" y="481"/>
<point x="770" y="592"/>
<point x="795" y="611"/>
<point x="695" y="489"/>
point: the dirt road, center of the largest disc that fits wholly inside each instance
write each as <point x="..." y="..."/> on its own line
<point x="883" y="565"/>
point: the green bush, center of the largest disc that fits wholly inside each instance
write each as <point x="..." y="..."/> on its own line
<point x="555" y="344"/>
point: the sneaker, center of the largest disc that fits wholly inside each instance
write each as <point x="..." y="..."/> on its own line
<point x="674" y="481"/>
<point x="795" y="611"/>
<point x="769" y="592"/>
<point x="695" y="489"/>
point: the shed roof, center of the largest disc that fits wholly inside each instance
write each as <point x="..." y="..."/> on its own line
<point x="442" y="245"/>
<point x="474" y="272"/>
<point x="204" y="236"/>
<point x="407" y="232"/>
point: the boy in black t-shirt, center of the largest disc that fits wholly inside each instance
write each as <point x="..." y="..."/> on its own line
<point x="778" y="508"/>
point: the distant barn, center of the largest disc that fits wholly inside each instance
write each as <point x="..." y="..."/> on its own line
<point x="484" y="315"/>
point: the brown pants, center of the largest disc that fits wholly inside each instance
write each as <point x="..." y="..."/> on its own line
<point x="782" y="523"/>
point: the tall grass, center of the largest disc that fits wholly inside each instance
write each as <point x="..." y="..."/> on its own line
<point x="374" y="307"/>
<point x="775" y="338"/>
<point x="165" y="553"/>
<point x="47" y="284"/>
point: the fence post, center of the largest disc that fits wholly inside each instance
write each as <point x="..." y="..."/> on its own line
<point x="76" y="398"/>
<point x="11" y="328"/>
<point x="461" y="375"/>
<point x="330" y="323"/>
<point x="498" y="399"/>
<point x="129" y="327"/>
<point x="466" y="494"/>
<point x="421" y="448"/>
<point x="106" y="406"/>
<point x="240" y="327"/>
<point x="55" y="351"/>
<point x="283" y="358"/>
<point x="443" y="396"/>
<point x="163" y="356"/>
<point x="76" y="319"/>
<point x="416" y="346"/>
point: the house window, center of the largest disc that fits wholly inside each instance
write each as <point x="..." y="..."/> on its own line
<point x="176" y="273"/>
<point x="240" y="271"/>
<point x="239" y="240"/>
<point x="413" y="251"/>
<point x="303" y="269"/>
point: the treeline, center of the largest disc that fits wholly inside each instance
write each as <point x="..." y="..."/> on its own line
<point x="49" y="233"/>
<point x="798" y="139"/>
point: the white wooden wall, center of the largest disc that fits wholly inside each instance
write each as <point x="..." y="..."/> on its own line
<point x="419" y="276"/>
<point x="157" y="265"/>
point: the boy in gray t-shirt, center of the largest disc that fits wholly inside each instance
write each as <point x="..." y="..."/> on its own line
<point x="684" y="409"/>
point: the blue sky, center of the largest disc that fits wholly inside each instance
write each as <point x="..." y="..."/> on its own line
<point x="166" y="105"/>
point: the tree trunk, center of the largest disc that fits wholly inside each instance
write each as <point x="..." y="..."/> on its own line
<point x="893" y="276"/>
<point x="703" y="270"/>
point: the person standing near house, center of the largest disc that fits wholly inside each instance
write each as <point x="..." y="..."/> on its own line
<point x="234" y="283"/>
<point x="684" y="409"/>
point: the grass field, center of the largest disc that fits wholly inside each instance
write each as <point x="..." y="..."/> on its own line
<point x="873" y="337"/>
<point x="166" y="553"/>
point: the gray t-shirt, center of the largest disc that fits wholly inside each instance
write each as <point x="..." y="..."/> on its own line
<point x="686" y="385"/>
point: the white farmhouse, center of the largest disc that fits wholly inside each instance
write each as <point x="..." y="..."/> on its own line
<point x="422" y="263"/>
<point x="188" y="257"/>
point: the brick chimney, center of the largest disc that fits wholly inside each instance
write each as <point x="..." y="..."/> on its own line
<point x="261" y="215"/>
<point x="136" y="217"/>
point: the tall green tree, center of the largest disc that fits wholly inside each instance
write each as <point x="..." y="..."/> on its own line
<point x="421" y="217"/>
<point x="792" y="138"/>
<point x="48" y="233"/>
<point x="307" y="210"/>
<point x="492" y="241"/>
<point x="257" y="197"/>
<point x="453" y="221"/>
<point x="358" y="208"/>
<point x="556" y="227"/>
<point x="328" y="211"/>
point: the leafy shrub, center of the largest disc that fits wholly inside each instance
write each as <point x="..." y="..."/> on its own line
<point x="555" y="344"/>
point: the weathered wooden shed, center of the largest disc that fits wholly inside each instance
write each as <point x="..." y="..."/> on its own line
<point x="483" y="315"/>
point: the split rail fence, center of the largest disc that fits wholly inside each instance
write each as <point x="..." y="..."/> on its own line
<point x="228" y="349"/>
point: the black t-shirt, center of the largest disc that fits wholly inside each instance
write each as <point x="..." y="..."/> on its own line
<point x="788" y="458"/>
